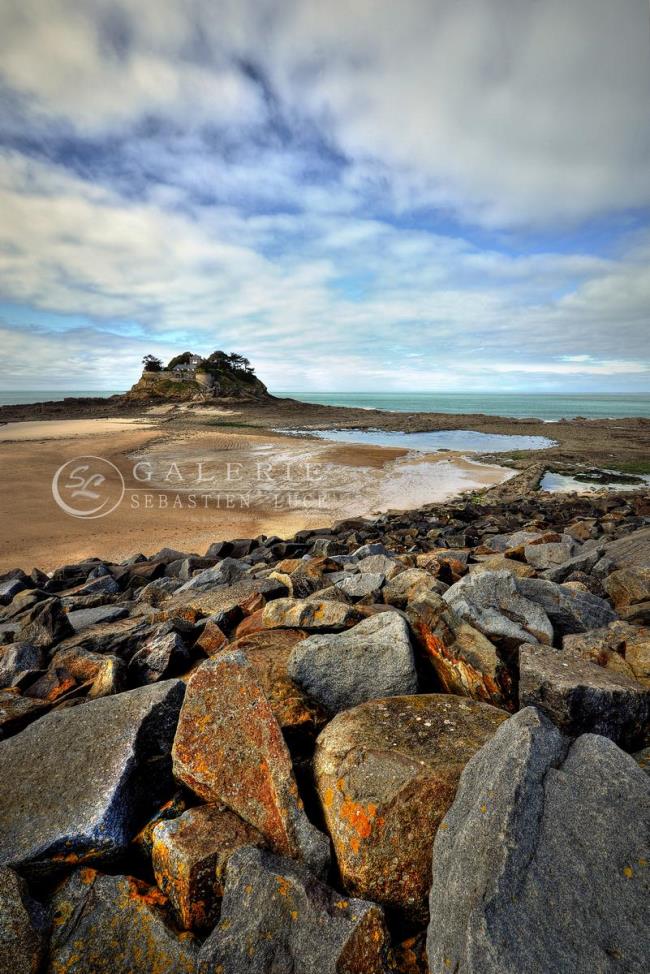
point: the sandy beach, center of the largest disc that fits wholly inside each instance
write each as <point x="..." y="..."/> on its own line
<point x="185" y="488"/>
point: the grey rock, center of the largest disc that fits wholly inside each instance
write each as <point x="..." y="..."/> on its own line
<point x="277" y="917"/>
<point x="103" y="585"/>
<point x="160" y="653"/>
<point x="568" y="610"/>
<point x="9" y="588"/>
<point x="115" y="925"/>
<point x="227" y="571"/>
<point x="83" y="618"/>
<point x="503" y="542"/>
<point x="542" y="556"/>
<point x="581" y="697"/>
<point x="16" y="658"/>
<point x="373" y="659"/>
<point x="408" y="585"/>
<point x="537" y="866"/>
<point x="22" y="926"/>
<point x="381" y="563"/>
<point x="632" y="550"/>
<point x="376" y="548"/>
<point x="490" y="601"/>
<point x="582" y="562"/>
<point x="46" y="625"/>
<point x="361" y="586"/>
<point x="76" y="785"/>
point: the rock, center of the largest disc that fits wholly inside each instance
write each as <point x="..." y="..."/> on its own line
<point x="115" y="925"/>
<point x="212" y="639"/>
<point x="83" y="618"/>
<point x="631" y="551"/>
<point x="106" y="673"/>
<point x="189" y="857"/>
<point x="628" y="586"/>
<point x="568" y="611"/>
<point x="642" y="758"/>
<point x="16" y="658"/>
<point x="366" y="550"/>
<point x="225" y="573"/>
<point x="47" y="625"/>
<point x="162" y="653"/>
<point x="78" y="784"/>
<point x="229" y="749"/>
<point x="385" y="565"/>
<point x="539" y="823"/>
<point x="10" y="587"/>
<point x="316" y="615"/>
<point x="582" y="562"/>
<point x="386" y="773"/>
<point x="491" y="602"/>
<point x="22" y="926"/>
<point x="373" y="659"/>
<point x="408" y="585"/>
<point x="541" y="556"/>
<point x="277" y="917"/>
<point x="463" y="659"/>
<point x="223" y="604"/>
<point x="619" y="647"/>
<point x="268" y="652"/>
<point x="581" y="697"/>
<point x="16" y="711"/>
<point x="506" y="542"/>
<point x="499" y="563"/>
<point x="364" y="585"/>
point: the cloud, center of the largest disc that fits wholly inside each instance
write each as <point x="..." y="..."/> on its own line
<point x="419" y="195"/>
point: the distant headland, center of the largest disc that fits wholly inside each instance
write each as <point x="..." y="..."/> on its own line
<point x="189" y="377"/>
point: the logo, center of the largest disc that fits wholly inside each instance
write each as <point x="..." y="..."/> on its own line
<point x="88" y="487"/>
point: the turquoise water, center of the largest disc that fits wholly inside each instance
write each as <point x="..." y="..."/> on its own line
<point x="466" y="441"/>
<point x="548" y="407"/>
<point x="13" y="398"/>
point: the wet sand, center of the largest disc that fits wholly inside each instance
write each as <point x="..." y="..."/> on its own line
<point x="187" y="488"/>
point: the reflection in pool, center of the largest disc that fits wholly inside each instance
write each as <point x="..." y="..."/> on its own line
<point x="559" y="482"/>
<point x="463" y="441"/>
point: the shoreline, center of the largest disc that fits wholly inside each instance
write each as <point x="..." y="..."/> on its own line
<point x="365" y="478"/>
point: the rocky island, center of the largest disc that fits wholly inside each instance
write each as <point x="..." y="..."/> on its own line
<point x="409" y="743"/>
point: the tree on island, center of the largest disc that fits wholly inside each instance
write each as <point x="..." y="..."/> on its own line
<point x="182" y="359"/>
<point x="220" y="361"/>
<point x="152" y="364"/>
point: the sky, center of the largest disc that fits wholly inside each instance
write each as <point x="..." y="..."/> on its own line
<point x="371" y="195"/>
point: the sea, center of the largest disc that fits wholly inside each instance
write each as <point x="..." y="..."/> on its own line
<point x="550" y="408"/>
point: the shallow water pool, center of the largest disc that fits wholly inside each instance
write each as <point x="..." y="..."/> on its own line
<point x="462" y="441"/>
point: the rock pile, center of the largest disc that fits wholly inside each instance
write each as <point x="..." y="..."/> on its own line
<point x="415" y="743"/>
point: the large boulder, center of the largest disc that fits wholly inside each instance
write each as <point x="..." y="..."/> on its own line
<point x="18" y="658"/>
<point x="189" y="857"/>
<point x="464" y="661"/>
<point x="23" y="925"/>
<point x="115" y="925"/>
<point x="277" y="917"/>
<point x="229" y="748"/>
<point x="549" y="555"/>
<point x="579" y="696"/>
<point x="410" y="584"/>
<point x="386" y="773"/>
<point x="539" y="865"/>
<point x="632" y="550"/>
<point x="46" y="625"/>
<point x="225" y="573"/>
<point x="374" y="659"/>
<point x="491" y="602"/>
<point x="76" y="785"/>
<point x="568" y="610"/>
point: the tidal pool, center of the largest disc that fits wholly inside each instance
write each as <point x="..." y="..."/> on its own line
<point x="461" y="441"/>
<point x="557" y="483"/>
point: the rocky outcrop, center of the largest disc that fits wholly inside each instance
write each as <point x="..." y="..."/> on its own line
<point x="538" y="820"/>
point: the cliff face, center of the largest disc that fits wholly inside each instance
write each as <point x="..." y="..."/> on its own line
<point x="168" y="386"/>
